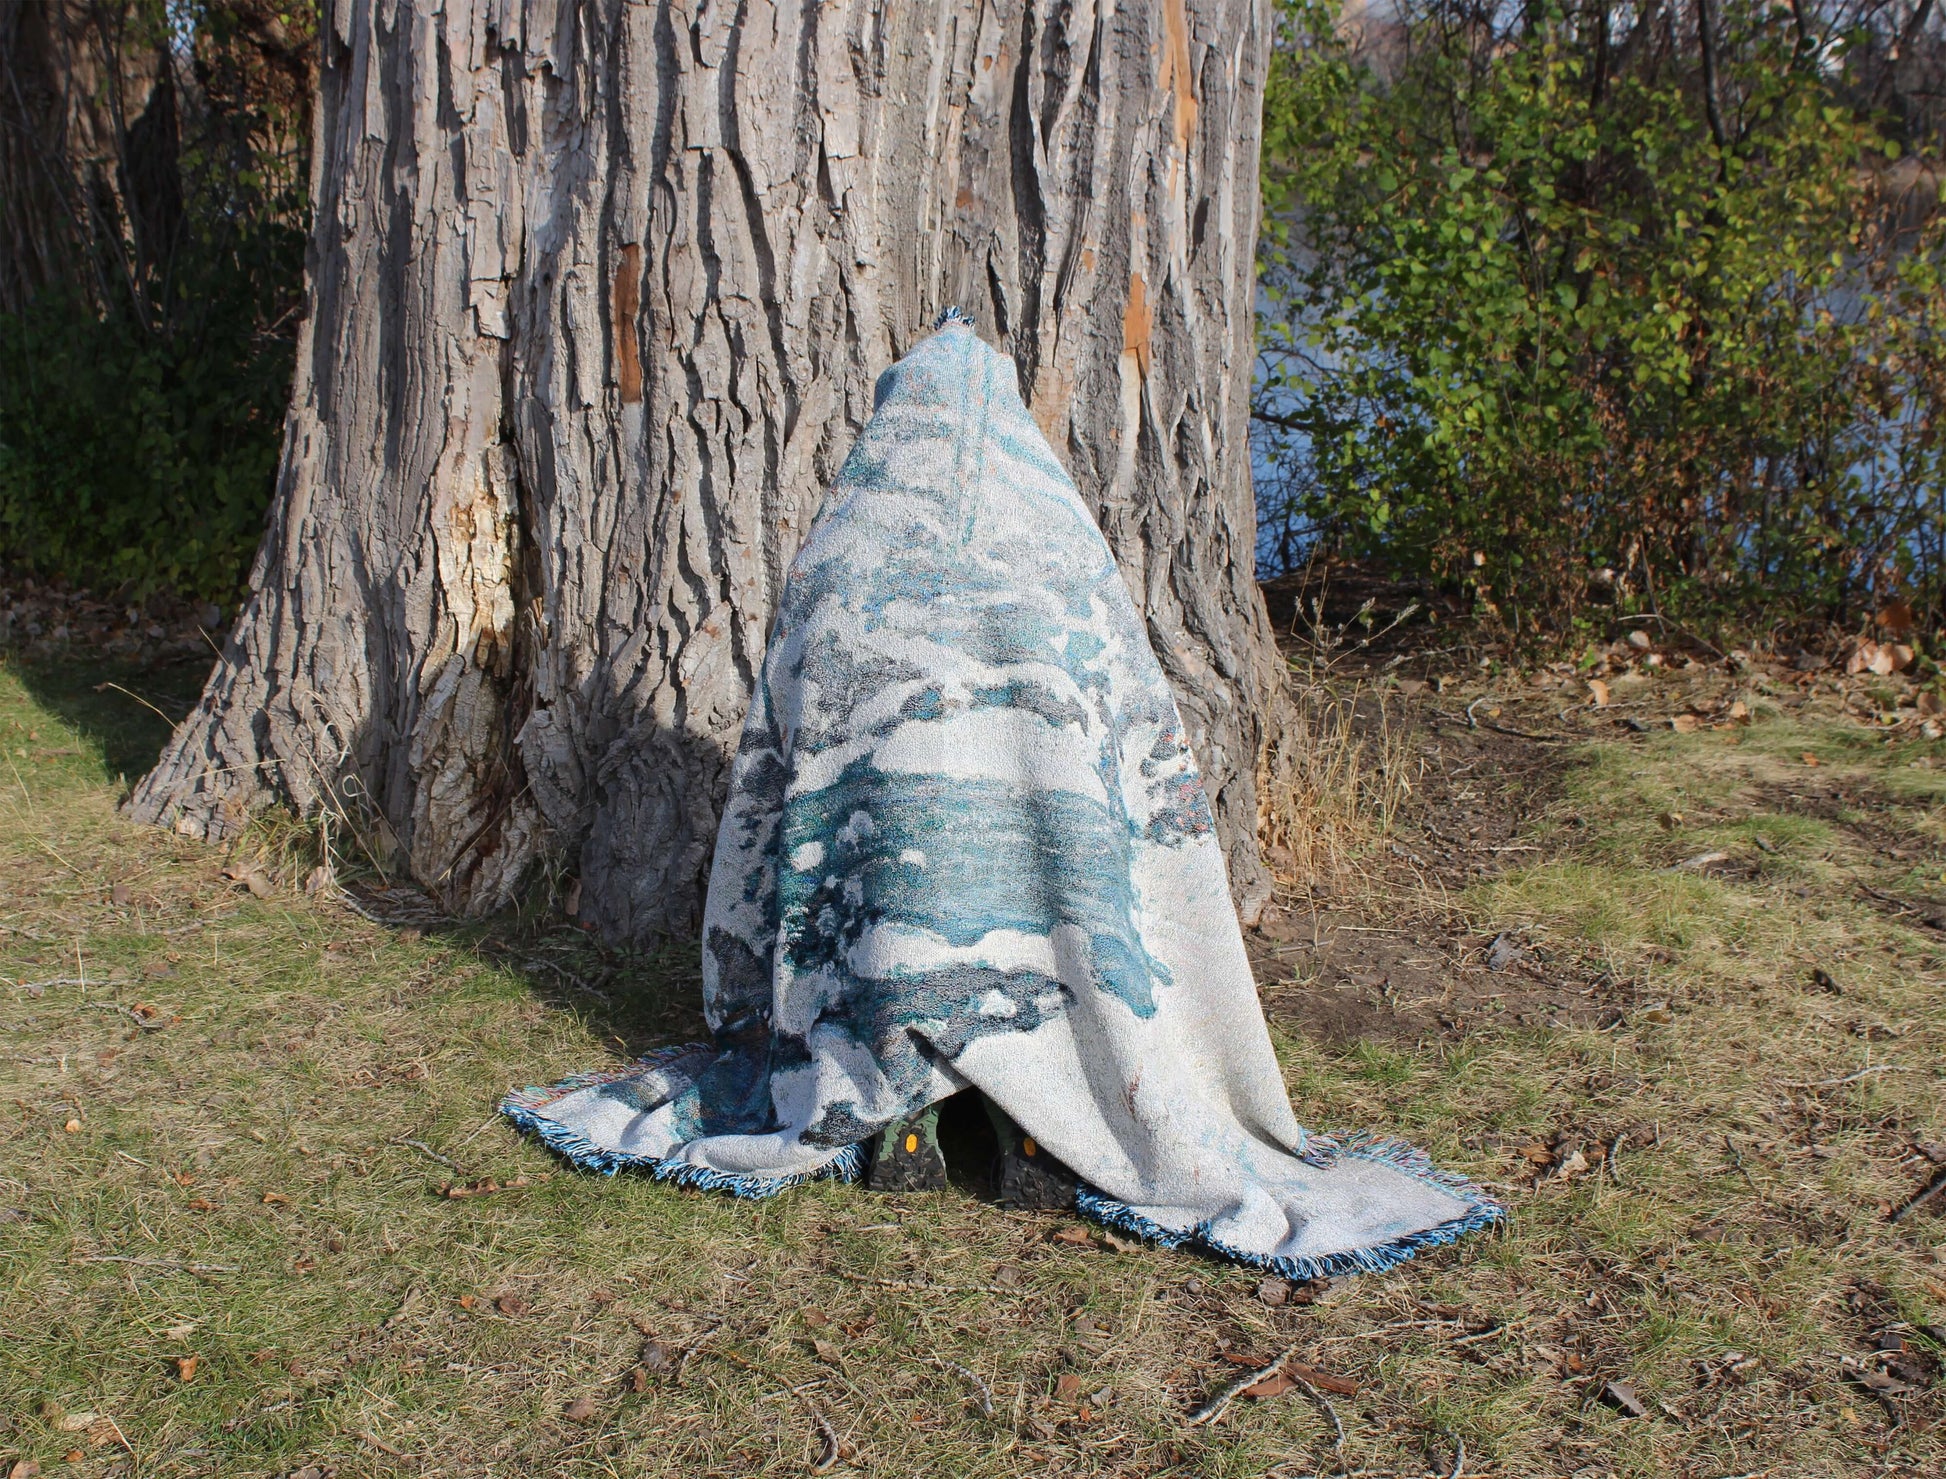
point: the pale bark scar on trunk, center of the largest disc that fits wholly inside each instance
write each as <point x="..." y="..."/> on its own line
<point x="628" y="304"/>
<point x="1138" y="321"/>
<point x="1175" y="74"/>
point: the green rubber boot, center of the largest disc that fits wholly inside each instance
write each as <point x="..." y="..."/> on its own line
<point x="1027" y="1176"/>
<point x="905" y="1155"/>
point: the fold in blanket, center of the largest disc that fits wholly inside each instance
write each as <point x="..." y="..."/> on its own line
<point x="966" y="843"/>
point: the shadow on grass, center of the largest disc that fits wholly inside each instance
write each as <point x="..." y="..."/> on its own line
<point x="125" y="709"/>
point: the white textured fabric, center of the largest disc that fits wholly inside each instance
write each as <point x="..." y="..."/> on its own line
<point x="966" y="843"/>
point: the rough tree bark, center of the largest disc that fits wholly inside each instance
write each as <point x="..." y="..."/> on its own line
<point x="599" y="290"/>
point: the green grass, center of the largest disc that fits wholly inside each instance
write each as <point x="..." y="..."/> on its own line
<point x="209" y="1153"/>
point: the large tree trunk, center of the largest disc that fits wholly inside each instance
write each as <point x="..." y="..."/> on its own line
<point x="599" y="291"/>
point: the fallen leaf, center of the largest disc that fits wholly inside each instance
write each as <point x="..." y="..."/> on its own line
<point x="467" y="1301"/>
<point x="180" y="1332"/>
<point x="479" y="1188"/>
<point x="1274" y="1385"/>
<point x="638" y="1380"/>
<point x="200" y="1204"/>
<point x="1685" y="723"/>
<point x="1540" y="1155"/>
<point x="251" y="877"/>
<point x="1274" y="1292"/>
<point x="276" y="1199"/>
<point x="1120" y="1244"/>
<point x="1079" y="1236"/>
<point x="77" y="1422"/>
<point x="1824" y="981"/>
<point x="73" y="1127"/>
<point x="580" y="1410"/>
<point x="1639" y="640"/>
<point x="1324" y="1381"/>
<point x="1067" y="1387"/>
<point x="1701" y="860"/>
<point x="1575" y="1165"/>
<point x="1901" y="656"/>
<point x="1739" y="711"/>
<point x="1882" y="1385"/>
<point x="1896" y="618"/>
<point x="24" y="1468"/>
<point x="186" y="1367"/>
<point x="1808" y="758"/>
<point x="655" y="1355"/>
<point x="827" y="1352"/>
<point x="1621" y="1396"/>
<point x="510" y="1304"/>
<point x="1502" y="953"/>
<point x="1598" y="693"/>
<point x="814" y="1317"/>
<point x="1929" y="703"/>
<point x="1657" y="1013"/>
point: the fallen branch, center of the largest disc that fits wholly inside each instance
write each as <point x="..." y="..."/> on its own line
<point x="1852" y="1078"/>
<point x="1489" y="1332"/>
<point x="985" y="1392"/>
<point x="1378" y="1330"/>
<point x="832" y="1451"/>
<point x="689" y="1352"/>
<point x="906" y="1286"/>
<point x="1337" y="1427"/>
<point x="1700" y="861"/>
<point x="188" y="1268"/>
<point x="379" y="1443"/>
<point x="36" y="987"/>
<point x="1920" y="1198"/>
<point x="421" y="1145"/>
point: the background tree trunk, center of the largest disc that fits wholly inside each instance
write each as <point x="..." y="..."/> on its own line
<point x="599" y="291"/>
<point x="89" y="193"/>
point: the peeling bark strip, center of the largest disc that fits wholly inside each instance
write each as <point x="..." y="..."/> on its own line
<point x="599" y="291"/>
<point x="628" y="307"/>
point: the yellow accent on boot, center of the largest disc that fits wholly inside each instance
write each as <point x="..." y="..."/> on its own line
<point x="911" y="1144"/>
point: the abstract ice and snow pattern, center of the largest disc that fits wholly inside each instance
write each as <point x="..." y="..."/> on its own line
<point x="966" y="843"/>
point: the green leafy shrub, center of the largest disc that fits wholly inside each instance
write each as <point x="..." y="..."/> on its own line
<point x="1533" y="328"/>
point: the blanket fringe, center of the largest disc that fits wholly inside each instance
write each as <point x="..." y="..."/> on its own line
<point x="1483" y="1211"/>
<point x="526" y="1108"/>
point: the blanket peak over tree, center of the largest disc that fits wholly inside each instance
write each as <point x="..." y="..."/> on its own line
<point x="967" y="844"/>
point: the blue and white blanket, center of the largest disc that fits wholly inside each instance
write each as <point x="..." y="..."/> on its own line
<point x="966" y="843"/>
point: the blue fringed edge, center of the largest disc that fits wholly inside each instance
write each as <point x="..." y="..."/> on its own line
<point x="1482" y="1212"/>
<point x="526" y="1108"/>
<point x="953" y="314"/>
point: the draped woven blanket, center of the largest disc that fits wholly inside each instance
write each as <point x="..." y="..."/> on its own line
<point x="966" y="843"/>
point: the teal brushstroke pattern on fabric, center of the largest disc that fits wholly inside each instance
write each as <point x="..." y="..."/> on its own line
<point x="967" y="844"/>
